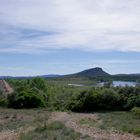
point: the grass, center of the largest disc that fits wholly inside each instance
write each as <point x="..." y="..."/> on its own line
<point x="33" y="125"/>
<point x="116" y="121"/>
<point x="42" y="129"/>
<point x="89" y="122"/>
<point x="13" y="119"/>
<point x="54" y="131"/>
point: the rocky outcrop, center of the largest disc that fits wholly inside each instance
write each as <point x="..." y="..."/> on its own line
<point x="5" y="88"/>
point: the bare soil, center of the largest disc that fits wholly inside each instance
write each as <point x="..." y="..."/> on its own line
<point x="71" y="120"/>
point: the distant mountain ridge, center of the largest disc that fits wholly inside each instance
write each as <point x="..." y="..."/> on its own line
<point x="93" y="73"/>
<point x="26" y="77"/>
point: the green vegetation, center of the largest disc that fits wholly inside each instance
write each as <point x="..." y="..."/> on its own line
<point x="14" y="119"/>
<point x="117" y="108"/>
<point x="33" y="125"/>
<point x="53" y="131"/>
<point x="115" y="121"/>
<point x="26" y="99"/>
<point x="104" y="99"/>
<point x="3" y="101"/>
<point x="58" y="95"/>
<point x="136" y="111"/>
<point x="28" y="94"/>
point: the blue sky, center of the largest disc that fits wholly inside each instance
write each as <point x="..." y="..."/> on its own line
<point x="66" y="36"/>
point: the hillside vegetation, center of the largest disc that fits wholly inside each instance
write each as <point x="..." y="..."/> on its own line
<point x="38" y="92"/>
<point x="56" y="95"/>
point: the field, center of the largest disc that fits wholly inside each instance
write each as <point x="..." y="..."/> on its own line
<point x="41" y="124"/>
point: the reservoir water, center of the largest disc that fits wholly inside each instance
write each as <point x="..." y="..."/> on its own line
<point x="124" y="83"/>
<point x="114" y="84"/>
<point x="119" y="84"/>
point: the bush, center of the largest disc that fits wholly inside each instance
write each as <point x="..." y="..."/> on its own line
<point x="105" y="99"/>
<point x="136" y="131"/>
<point x="108" y="99"/>
<point x="3" y="102"/>
<point x="136" y="111"/>
<point x="26" y="99"/>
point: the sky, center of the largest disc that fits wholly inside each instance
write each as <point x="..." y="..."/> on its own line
<point x="39" y="37"/>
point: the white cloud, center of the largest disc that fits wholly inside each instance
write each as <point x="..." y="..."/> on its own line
<point x="99" y="25"/>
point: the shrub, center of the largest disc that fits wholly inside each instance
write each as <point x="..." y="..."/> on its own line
<point x="94" y="100"/>
<point x="3" y="102"/>
<point x="26" y="99"/>
<point x="136" y="111"/>
<point x="136" y="131"/>
<point x="132" y="101"/>
<point x="108" y="99"/>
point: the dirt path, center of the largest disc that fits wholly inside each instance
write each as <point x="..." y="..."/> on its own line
<point x="14" y="134"/>
<point x="71" y="121"/>
<point x="8" y="135"/>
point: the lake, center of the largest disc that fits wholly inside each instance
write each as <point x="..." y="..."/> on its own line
<point x="120" y="84"/>
<point x="114" y="84"/>
<point x="123" y="84"/>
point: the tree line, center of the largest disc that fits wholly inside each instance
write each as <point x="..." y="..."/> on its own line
<point x="38" y="93"/>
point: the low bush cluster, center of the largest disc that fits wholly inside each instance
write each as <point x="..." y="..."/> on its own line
<point x="26" y="99"/>
<point x="28" y="94"/>
<point x="136" y="111"/>
<point x="105" y="99"/>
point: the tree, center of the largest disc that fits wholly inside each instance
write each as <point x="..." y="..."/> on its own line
<point x="39" y="83"/>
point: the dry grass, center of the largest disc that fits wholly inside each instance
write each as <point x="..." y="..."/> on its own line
<point x="38" y="124"/>
<point x="34" y="125"/>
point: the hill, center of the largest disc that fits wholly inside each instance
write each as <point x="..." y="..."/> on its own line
<point x="93" y="72"/>
<point x="98" y="74"/>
